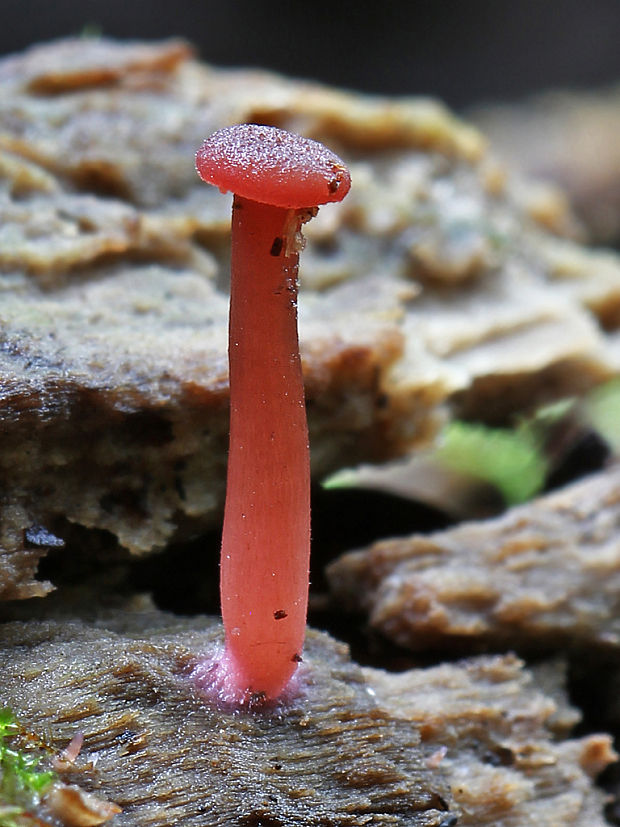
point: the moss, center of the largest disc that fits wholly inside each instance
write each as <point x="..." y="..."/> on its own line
<point x="22" y="783"/>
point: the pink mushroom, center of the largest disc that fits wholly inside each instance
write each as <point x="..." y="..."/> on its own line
<point x="278" y="179"/>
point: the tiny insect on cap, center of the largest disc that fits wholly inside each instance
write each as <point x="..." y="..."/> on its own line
<point x="272" y="166"/>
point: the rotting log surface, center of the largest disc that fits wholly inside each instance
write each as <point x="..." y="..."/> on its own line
<point x="505" y="755"/>
<point x="473" y="743"/>
<point x="437" y="281"/>
<point x="166" y="757"/>
<point x="567" y="137"/>
<point x="544" y="575"/>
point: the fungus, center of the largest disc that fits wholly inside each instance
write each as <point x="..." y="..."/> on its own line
<point x="278" y="180"/>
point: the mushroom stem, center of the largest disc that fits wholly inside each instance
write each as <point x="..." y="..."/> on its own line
<point x="279" y="179"/>
<point x="266" y="536"/>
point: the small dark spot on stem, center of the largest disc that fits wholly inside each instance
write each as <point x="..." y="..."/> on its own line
<point x="280" y="614"/>
<point x="276" y="247"/>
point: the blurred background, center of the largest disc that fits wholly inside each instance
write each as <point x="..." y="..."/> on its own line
<point x="464" y="52"/>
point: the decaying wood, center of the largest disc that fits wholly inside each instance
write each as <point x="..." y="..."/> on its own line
<point x="491" y="723"/>
<point x="472" y="743"/>
<point x="432" y="289"/>
<point x="167" y="757"/>
<point x="542" y="575"/>
<point x="568" y="138"/>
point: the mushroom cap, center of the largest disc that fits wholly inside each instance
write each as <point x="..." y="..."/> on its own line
<point x="272" y="166"/>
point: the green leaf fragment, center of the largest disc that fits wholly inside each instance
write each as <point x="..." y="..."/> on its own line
<point x="515" y="460"/>
<point x="511" y="460"/>
<point x="346" y="478"/>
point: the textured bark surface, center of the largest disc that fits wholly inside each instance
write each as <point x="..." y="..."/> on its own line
<point x="436" y="286"/>
<point x="472" y="743"/>
<point x="568" y="138"/>
<point x="441" y="286"/>
<point x="543" y="575"/>
<point x="501" y="733"/>
<point x="332" y="757"/>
